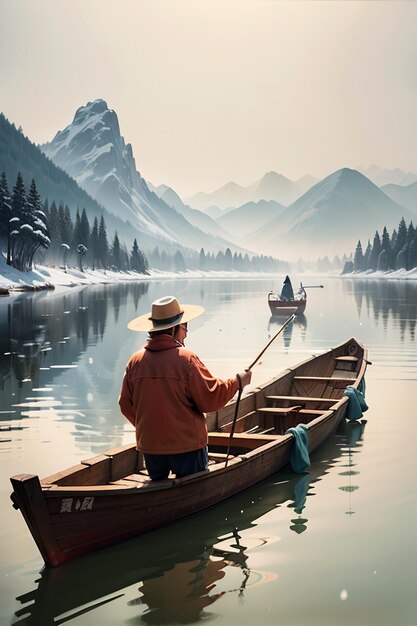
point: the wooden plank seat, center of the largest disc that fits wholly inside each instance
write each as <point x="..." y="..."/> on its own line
<point x="259" y="430"/>
<point x="303" y="399"/>
<point x="270" y="410"/>
<point x="326" y="378"/>
<point x="352" y="359"/>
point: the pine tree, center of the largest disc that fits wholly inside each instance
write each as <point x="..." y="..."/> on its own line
<point x="115" y="252"/>
<point x="179" y="263"/>
<point x="367" y="256"/>
<point x="135" y="260"/>
<point x="5" y="213"/>
<point x="19" y="197"/>
<point x="219" y="262"/>
<point x="68" y="227"/>
<point x="76" y="233"/>
<point x="202" y="260"/>
<point x="228" y="260"/>
<point x="386" y="248"/>
<point x="84" y="229"/>
<point x="411" y="233"/>
<point x="94" y="244"/>
<point x="375" y="252"/>
<point x="401" y="238"/>
<point x="103" y="245"/>
<point x="358" y="264"/>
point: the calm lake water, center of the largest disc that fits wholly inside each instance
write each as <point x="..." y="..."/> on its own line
<point x="336" y="546"/>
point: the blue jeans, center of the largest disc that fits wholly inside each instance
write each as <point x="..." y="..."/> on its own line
<point x="159" y="465"/>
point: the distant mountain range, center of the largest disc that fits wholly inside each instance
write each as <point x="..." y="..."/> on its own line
<point x="330" y="218"/>
<point x="271" y="186"/>
<point x="406" y="196"/>
<point x="90" y="165"/>
<point x="381" y="176"/>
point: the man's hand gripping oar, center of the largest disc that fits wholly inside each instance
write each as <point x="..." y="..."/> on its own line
<point x="241" y="385"/>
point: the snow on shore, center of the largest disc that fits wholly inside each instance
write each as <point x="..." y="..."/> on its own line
<point x="390" y="275"/>
<point x="42" y="276"/>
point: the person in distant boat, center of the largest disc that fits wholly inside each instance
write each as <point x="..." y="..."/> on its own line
<point x="287" y="292"/>
<point x="166" y="390"/>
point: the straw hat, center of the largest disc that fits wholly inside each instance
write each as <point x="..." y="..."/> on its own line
<point x="166" y="313"/>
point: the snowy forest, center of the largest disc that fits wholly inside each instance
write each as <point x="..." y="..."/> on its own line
<point x="398" y="251"/>
<point x="34" y="230"/>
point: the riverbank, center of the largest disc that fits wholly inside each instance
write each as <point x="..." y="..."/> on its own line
<point x="43" y="277"/>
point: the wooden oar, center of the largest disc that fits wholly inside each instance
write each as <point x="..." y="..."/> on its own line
<point x="232" y="430"/>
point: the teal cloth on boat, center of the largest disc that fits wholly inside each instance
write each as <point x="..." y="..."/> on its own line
<point x="300" y="458"/>
<point x="356" y="406"/>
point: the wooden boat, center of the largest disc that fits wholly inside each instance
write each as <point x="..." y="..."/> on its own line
<point x="110" y="497"/>
<point x="280" y="306"/>
<point x="155" y="557"/>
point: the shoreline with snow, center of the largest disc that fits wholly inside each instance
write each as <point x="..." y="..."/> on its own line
<point x="43" y="277"/>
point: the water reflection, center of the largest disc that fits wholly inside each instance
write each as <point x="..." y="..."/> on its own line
<point x="386" y="300"/>
<point x="354" y="431"/>
<point x="276" y="321"/>
<point x="39" y="330"/>
<point x="181" y="570"/>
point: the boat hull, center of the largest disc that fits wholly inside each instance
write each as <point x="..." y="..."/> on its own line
<point x="281" y="307"/>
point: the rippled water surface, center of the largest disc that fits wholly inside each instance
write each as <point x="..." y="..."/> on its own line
<point x="335" y="546"/>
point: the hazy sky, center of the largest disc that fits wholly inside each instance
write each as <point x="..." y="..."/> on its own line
<point x="212" y="91"/>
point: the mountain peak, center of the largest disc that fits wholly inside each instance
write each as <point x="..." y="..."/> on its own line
<point x="92" y="108"/>
<point x="273" y="177"/>
<point x="345" y="177"/>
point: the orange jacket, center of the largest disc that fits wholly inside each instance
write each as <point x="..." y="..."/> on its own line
<point x="165" y="392"/>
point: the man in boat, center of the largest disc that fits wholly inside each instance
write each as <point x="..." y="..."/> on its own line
<point x="166" y="390"/>
<point x="287" y="292"/>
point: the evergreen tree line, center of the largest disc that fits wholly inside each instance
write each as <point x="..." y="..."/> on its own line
<point x="207" y="261"/>
<point x="28" y="227"/>
<point x="398" y="251"/>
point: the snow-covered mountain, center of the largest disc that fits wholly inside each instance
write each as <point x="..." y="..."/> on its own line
<point x="92" y="151"/>
<point x="271" y="186"/>
<point x="329" y="218"/>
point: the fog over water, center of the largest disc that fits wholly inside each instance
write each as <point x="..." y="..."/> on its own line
<point x="334" y="546"/>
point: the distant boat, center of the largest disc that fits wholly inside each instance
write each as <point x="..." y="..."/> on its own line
<point x="286" y="302"/>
